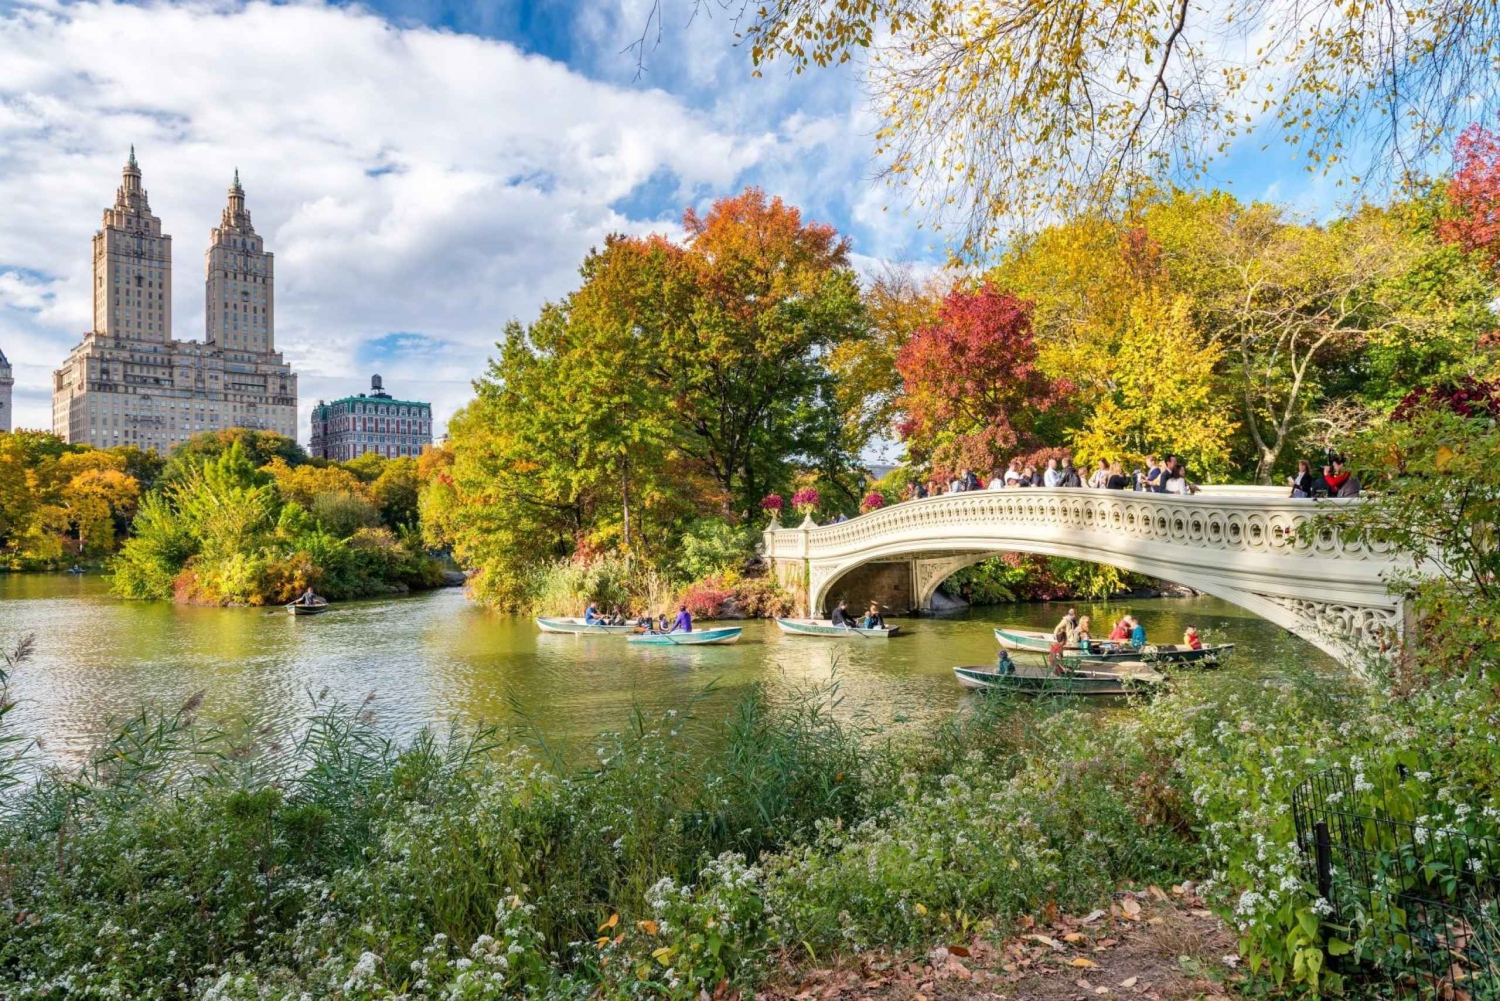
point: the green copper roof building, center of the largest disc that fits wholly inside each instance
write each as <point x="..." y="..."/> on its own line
<point x="370" y="422"/>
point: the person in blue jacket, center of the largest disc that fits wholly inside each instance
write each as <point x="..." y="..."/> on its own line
<point x="1137" y="633"/>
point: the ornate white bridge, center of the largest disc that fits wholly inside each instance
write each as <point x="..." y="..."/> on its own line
<point x="1242" y="544"/>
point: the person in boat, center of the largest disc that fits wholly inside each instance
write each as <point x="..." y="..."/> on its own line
<point x="1121" y="632"/>
<point x="1003" y="664"/>
<point x="645" y="623"/>
<point x="841" y="616"/>
<point x="308" y="597"/>
<point x="1137" y="633"/>
<point x="591" y="616"/>
<point x="683" y="622"/>
<point x="1191" y="640"/>
<point x="661" y="623"/>
<point x="1084" y="638"/>
<point x="1066" y="630"/>
<point x="873" y="619"/>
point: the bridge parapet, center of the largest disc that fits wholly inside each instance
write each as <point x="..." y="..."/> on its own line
<point x="1245" y="545"/>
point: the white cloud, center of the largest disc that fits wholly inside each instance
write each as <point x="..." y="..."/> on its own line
<point x="408" y="179"/>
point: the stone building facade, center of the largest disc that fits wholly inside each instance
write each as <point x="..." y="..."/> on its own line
<point x="129" y="382"/>
<point x="374" y="422"/>
<point x="6" y="385"/>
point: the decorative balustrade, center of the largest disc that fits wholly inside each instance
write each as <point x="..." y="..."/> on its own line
<point x="1247" y="523"/>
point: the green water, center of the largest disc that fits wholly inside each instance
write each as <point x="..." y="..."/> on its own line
<point x="435" y="657"/>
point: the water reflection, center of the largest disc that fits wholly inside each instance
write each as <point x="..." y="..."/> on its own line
<point x="435" y="657"/>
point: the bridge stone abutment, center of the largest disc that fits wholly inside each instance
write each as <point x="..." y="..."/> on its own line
<point x="1243" y="544"/>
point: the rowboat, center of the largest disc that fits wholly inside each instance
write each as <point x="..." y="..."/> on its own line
<point x="1086" y="684"/>
<point x="822" y="627"/>
<point x="1103" y="651"/>
<point x="578" y="627"/>
<point x="316" y="608"/>
<point x="700" y="637"/>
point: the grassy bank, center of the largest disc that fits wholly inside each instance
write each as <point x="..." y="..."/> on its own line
<point x="187" y="862"/>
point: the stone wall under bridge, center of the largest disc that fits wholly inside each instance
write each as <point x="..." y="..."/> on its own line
<point x="1253" y="547"/>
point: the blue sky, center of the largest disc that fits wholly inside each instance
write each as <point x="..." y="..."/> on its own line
<point x="423" y="170"/>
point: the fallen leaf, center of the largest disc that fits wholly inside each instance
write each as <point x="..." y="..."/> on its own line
<point x="614" y="919"/>
<point x="1129" y="981"/>
<point x="870" y="985"/>
<point x="1101" y="990"/>
<point x="1073" y="936"/>
<point x="1080" y="961"/>
<point x="649" y="927"/>
<point x="919" y="997"/>
<point x="1156" y="892"/>
<point x="1091" y="917"/>
<point x="1084" y="984"/>
<point x="1009" y="967"/>
<point x="1155" y="921"/>
<point x="958" y="950"/>
<point x="921" y="911"/>
<point x="959" y="970"/>
<point x="1131" y="908"/>
<point x="1105" y="943"/>
<point x="1050" y="943"/>
<point x="1198" y="913"/>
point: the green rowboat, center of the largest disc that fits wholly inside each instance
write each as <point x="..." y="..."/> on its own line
<point x="822" y="627"/>
<point x="1086" y="684"/>
<point x="1104" y="651"/>
<point x="578" y="627"/>
<point x="701" y="637"/>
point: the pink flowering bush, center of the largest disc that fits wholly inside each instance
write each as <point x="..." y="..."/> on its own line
<point x="873" y="501"/>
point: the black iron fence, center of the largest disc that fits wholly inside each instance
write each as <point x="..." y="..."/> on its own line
<point x="1415" y="898"/>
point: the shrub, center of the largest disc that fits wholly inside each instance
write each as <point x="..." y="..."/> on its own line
<point x="705" y="598"/>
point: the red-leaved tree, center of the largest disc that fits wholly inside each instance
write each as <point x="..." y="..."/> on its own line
<point x="1474" y="193"/>
<point x="972" y="394"/>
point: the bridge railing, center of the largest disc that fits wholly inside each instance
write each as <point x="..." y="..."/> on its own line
<point x="1252" y="520"/>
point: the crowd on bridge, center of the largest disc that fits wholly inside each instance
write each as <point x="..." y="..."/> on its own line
<point x="1166" y="476"/>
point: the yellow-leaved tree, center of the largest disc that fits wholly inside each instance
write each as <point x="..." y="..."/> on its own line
<point x="1159" y="395"/>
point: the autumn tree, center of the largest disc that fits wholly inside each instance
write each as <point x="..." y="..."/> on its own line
<point x="997" y="112"/>
<point x="972" y="392"/>
<point x="1474" y="194"/>
<point x="771" y="295"/>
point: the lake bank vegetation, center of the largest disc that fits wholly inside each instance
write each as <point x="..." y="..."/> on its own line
<point x="232" y="521"/>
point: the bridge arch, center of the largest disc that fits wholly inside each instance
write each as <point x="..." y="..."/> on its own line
<point x="1243" y="545"/>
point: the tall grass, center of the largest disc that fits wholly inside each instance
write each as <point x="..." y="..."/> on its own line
<point x="185" y="861"/>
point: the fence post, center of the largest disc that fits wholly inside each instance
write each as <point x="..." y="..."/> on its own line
<point x="1323" y="858"/>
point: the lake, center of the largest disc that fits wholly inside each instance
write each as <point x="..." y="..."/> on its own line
<point x="434" y="657"/>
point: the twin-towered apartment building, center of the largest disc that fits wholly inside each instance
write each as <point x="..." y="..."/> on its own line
<point x="130" y="383"/>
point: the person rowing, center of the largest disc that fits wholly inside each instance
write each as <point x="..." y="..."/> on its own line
<point x="591" y="616"/>
<point x="683" y="623"/>
<point x="309" y="598"/>
<point x="842" y="618"/>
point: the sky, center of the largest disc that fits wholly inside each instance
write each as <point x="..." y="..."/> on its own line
<point x="423" y="170"/>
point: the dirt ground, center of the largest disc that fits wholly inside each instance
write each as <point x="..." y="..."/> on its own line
<point x="1151" y="944"/>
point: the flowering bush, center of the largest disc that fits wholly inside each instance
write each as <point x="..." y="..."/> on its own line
<point x="806" y="500"/>
<point x="873" y="501"/>
<point x="772" y="503"/>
